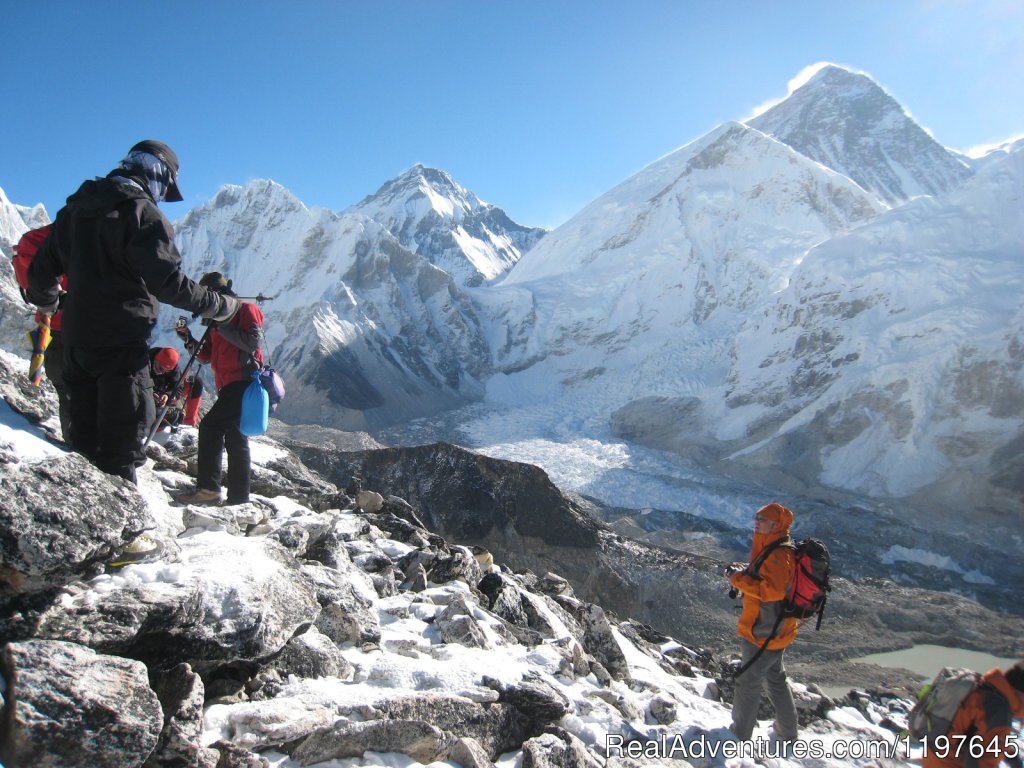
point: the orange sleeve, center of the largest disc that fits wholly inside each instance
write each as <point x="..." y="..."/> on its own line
<point x="774" y="577"/>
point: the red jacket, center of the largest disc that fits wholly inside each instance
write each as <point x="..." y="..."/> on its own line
<point x="231" y="347"/>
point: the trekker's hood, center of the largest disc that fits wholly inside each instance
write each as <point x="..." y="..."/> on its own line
<point x="100" y="195"/>
<point x="783" y="519"/>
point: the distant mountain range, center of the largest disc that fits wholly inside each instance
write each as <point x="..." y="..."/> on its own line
<point x="823" y="298"/>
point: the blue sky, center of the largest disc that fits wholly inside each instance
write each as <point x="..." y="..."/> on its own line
<point x="536" y="106"/>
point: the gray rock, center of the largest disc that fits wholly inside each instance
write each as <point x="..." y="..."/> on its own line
<point x="663" y="708"/>
<point x="402" y="509"/>
<point x="535" y="699"/>
<point x="557" y="748"/>
<point x="293" y="536"/>
<point x="496" y="726"/>
<point x="417" y="739"/>
<point x="600" y="642"/>
<point x="181" y="695"/>
<point x="625" y="706"/>
<point x="234" y="756"/>
<point x="208" y="616"/>
<point x="415" y="579"/>
<point x="346" y="603"/>
<point x="235" y="519"/>
<point x="310" y="655"/>
<point x="469" y="753"/>
<point x="504" y="599"/>
<point x="50" y="535"/>
<point x="370" y="502"/>
<point x="459" y="565"/>
<point x="75" y="708"/>
<point x="456" y="624"/>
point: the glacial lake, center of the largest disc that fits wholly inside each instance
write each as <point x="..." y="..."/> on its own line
<point x="927" y="660"/>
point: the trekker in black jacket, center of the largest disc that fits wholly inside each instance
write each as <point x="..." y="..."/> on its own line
<point x="118" y="252"/>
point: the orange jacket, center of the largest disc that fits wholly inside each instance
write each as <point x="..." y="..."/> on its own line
<point x="763" y="593"/>
<point x="988" y="712"/>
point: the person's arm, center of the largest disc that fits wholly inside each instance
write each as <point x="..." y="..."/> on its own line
<point x="772" y="580"/>
<point x="153" y="254"/>
<point x="44" y="274"/>
<point x="246" y="332"/>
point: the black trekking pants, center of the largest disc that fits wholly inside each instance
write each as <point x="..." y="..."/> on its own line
<point x="110" y="405"/>
<point x="219" y="430"/>
<point x="53" y="363"/>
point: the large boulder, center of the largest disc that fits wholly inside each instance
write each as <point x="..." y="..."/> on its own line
<point x="59" y="516"/>
<point x="229" y="599"/>
<point x="70" y="706"/>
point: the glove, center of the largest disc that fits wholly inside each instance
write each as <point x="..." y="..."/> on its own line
<point x="228" y="309"/>
<point x="731" y="570"/>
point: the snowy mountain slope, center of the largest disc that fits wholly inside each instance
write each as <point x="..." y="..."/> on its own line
<point x="998" y="152"/>
<point x="15" y="315"/>
<point x="16" y="220"/>
<point x="365" y="331"/>
<point x="432" y="215"/>
<point x="891" y="365"/>
<point x="641" y="288"/>
<point x="847" y="122"/>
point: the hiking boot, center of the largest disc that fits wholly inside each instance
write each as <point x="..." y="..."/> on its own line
<point x="142" y="549"/>
<point x="200" y="496"/>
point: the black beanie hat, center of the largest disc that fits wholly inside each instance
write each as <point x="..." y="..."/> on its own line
<point x="166" y="154"/>
<point x="216" y="281"/>
<point x="1015" y="675"/>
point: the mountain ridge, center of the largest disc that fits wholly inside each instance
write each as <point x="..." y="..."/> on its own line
<point x="849" y="123"/>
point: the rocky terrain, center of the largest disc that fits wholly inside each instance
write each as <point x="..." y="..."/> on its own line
<point x="467" y="612"/>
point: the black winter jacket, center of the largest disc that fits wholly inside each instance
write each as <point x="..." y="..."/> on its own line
<point x="118" y="252"/>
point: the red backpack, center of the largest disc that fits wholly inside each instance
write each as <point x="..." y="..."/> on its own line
<point x="24" y="252"/>
<point x="808" y="589"/>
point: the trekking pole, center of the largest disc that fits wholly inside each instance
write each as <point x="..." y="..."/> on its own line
<point x="178" y="389"/>
<point x="258" y="299"/>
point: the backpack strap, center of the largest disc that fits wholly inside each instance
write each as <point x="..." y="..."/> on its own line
<point x="755" y="567"/>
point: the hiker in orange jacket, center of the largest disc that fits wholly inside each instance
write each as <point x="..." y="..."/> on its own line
<point x="983" y="725"/>
<point x="761" y="621"/>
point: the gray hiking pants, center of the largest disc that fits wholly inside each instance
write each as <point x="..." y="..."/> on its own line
<point x="768" y="671"/>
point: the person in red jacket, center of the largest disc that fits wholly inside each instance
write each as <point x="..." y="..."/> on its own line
<point x="762" y="625"/>
<point x="234" y="351"/>
<point x="981" y="733"/>
<point x="53" y="357"/>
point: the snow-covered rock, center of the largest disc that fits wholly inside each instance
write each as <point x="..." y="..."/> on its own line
<point x="228" y="616"/>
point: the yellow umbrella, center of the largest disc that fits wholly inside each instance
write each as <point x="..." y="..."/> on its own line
<point x="39" y="339"/>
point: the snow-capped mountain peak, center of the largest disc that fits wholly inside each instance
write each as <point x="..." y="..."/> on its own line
<point x="434" y="216"/>
<point x="16" y="220"/>
<point x="846" y="121"/>
<point x="422" y="187"/>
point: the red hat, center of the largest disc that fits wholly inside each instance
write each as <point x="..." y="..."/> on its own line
<point x="167" y="358"/>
